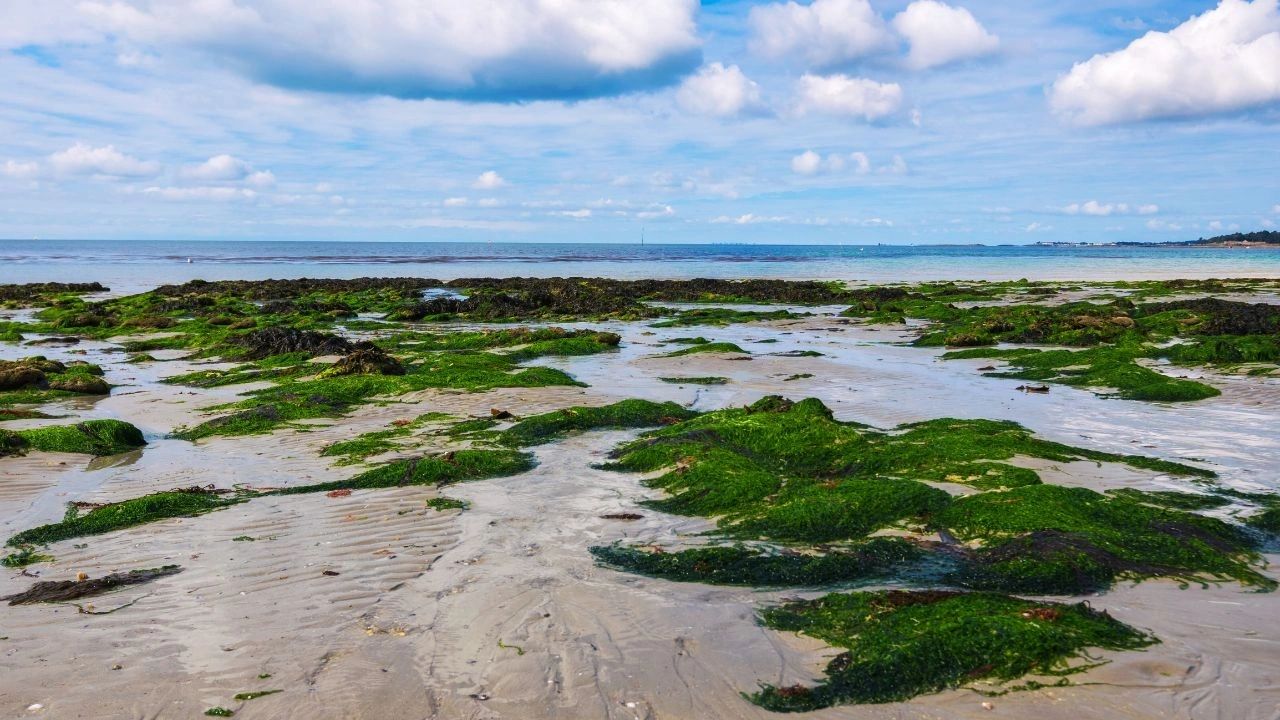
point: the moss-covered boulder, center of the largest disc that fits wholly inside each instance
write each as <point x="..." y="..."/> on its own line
<point x="91" y="437"/>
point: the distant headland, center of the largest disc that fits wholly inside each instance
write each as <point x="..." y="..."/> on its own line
<point x="1261" y="238"/>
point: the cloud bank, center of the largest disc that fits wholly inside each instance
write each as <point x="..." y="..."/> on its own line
<point x="1227" y="59"/>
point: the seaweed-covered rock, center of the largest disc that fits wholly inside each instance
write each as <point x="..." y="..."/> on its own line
<point x="92" y="437"/>
<point x="366" y="359"/>
<point x="84" y="384"/>
<point x="280" y="340"/>
<point x="16" y="377"/>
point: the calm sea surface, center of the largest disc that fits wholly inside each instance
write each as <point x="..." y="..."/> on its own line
<point x="132" y="265"/>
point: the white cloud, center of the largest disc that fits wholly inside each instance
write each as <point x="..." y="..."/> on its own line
<point x="897" y="167"/>
<point x="847" y="96"/>
<point x="811" y="163"/>
<point x="488" y="202"/>
<point x="219" y="193"/>
<point x="1224" y="60"/>
<point x="20" y="170"/>
<point x="824" y="33"/>
<point x="456" y="202"/>
<point x="939" y="34"/>
<point x="806" y="163"/>
<point x="748" y="219"/>
<point x="1162" y="225"/>
<point x="581" y="214"/>
<point x="1219" y="226"/>
<point x="81" y="159"/>
<point x="218" y="168"/>
<point x="1097" y="209"/>
<point x="489" y="180"/>
<point x="1037" y="227"/>
<point x="718" y="91"/>
<point x="1276" y="209"/>
<point x="476" y="49"/>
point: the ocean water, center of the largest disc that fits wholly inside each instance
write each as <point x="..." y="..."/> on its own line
<point x="127" y="266"/>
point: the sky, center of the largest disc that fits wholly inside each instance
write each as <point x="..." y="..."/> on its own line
<point x="725" y="121"/>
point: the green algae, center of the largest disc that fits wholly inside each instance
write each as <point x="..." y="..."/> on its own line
<point x="721" y="317"/>
<point x="377" y="442"/>
<point x="715" y="347"/>
<point x="903" y="644"/>
<point x="798" y="376"/>
<point x="437" y="470"/>
<point x="91" y="437"/>
<point x="710" y="380"/>
<point x="1172" y="499"/>
<point x="791" y="473"/>
<point x="540" y="429"/>
<point x="293" y="400"/>
<point x="219" y="712"/>
<point x="873" y="559"/>
<point x="1056" y="540"/>
<point x="1110" y="368"/>
<point x="443" y="503"/>
<point x="1267" y="521"/>
<point x="125" y="514"/>
<point x="25" y="555"/>
<point x="581" y="344"/>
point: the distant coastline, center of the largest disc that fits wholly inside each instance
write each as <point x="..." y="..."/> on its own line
<point x="1260" y="239"/>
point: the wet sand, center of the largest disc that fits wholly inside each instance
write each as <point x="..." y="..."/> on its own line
<point x="499" y="611"/>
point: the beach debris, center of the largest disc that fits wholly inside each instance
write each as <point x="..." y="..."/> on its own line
<point x="479" y="696"/>
<point x="331" y="573"/>
<point x="986" y="368"/>
<point x="219" y="712"/>
<point x="519" y="650"/>
<point x="35" y="707"/>
<point x="254" y="694"/>
<point x="64" y="590"/>
<point x="622" y="516"/>
<point x="340" y="492"/>
<point x="1034" y="388"/>
<point x="497" y="414"/>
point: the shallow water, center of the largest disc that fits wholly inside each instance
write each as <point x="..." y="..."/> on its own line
<point x="130" y="266"/>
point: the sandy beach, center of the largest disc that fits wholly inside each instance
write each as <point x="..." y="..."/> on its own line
<point x="373" y="605"/>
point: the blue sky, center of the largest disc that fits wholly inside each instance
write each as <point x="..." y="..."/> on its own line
<point x="831" y="121"/>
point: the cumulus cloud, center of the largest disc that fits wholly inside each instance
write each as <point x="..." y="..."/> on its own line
<point x="106" y="161"/>
<point x="940" y="34"/>
<point x="1097" y="209"/>
<point x="811" y="163"/>
<point x="847" y="96"/>
<point x="504" y="50"/>
<point x="1038" y="227"/>
<point x="1276" y="209"/>
<point x="489" y="180"/>
<point x="1162" y="225"/>
<point x="226" y="168"/>
<point x="1227" y="59"/>
<point x="806" y="163"/>
<point x="719" y="91"/>
<point x="823" y="33"/>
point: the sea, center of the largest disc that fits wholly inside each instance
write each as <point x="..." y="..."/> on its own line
<point x="134" y="265"/>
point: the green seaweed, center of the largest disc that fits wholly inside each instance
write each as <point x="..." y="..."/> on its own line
<point x="901" y="644"/>
<point x="547" y="427"/>
<point x="91" y="437"/>
<point x="717" y="347"/>
<point x="438" y="470"/>
<point x="126" y="514"/>
<point x="737" y="565"/>
<point x="443" y="503"/>
<point x="25" y="555"/>
<point x="255" y="694"/>
<point x="1057" y="540"/>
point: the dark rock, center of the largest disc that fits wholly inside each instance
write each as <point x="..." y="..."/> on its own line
<point x="367" y="359"/>
<point x="280" y="340"/>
